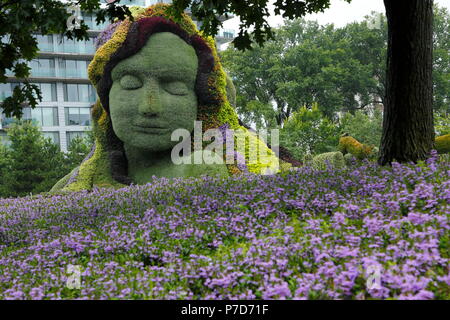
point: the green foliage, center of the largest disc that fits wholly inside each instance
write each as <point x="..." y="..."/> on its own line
<point x="334" y="159"/>
<point x="442" y="123"/>
<point x="307" y="131"/>
<point x="285" y="166"/>
<point x="4" y="161"/>
<point x="369" y="46"/>
<point x="21" y="21"/>
<point x="303" y="65"/>
<point x="33" y="164"/>
<point x="255" y="80"/>
<point x="307" y="159"/>
<point x="441" y="60"/>
<point x="78" y="149"/>
<point x="363" y="127"/>
<point x="342" y="69"/>
<point x="349" y="159"/>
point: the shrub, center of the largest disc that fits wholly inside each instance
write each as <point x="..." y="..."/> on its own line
<point x="335" y="159"/>
<point x="285" y="166"/>
<point x="443" y="144"/>
<point x="349" y="159"/>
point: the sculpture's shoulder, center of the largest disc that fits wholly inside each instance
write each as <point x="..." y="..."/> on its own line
<point x="212" y="164"/>
<point x="63" y="181"/>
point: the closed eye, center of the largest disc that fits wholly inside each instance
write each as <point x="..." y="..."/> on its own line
<point x="129" y="82"/>
<point x="177" y="88"/>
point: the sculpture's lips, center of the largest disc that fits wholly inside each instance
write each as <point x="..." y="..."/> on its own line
<point x="150" y="128"/>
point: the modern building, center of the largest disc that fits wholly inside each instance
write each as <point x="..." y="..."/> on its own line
<point x="61" y="73"/>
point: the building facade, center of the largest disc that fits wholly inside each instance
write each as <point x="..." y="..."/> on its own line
<point x="60" y="71"/>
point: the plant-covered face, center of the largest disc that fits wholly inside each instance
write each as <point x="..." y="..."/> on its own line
<point x="152" y="93"/>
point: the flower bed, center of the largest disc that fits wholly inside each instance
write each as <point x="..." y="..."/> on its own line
<point x="359" y="233"/>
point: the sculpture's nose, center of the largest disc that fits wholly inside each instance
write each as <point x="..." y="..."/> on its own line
<point x="151" y="104"/>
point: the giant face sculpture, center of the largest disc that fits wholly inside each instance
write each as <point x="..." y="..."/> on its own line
<point x="153" y="93"/>
<point x="153" y="76"/>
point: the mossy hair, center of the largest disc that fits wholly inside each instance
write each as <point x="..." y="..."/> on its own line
<point x="108" y="164"/>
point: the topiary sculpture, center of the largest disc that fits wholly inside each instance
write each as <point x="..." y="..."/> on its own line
<point x="154" y="75"/>
<point x="443" y="144"/>
<point x="349" y="144"/>
<point x="334" y="159"/>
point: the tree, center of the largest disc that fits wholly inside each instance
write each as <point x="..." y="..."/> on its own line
<point x="365" y="128"/>
<point x="308" y="131"/>
<point x="4" y="162"/>
<point x="33" y="164"/>
<point x="79" y="148"/>
<point x="255" y="77"/>
<point x="45" y="17"/>
<point x="27" y="160"/>
<point x="304" y="59"/>
<point x="304" y="64"/>
<point x="408" y="133"/>
<point x="441" y="60"/>
<point x="369" y="46"/>
<point x="20" y="21"/>
<point x="409" y="91"/>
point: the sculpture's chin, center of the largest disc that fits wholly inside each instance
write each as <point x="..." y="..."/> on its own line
<point x="152" y="144"/>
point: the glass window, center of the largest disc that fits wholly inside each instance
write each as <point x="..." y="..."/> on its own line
<point x="49" y="117"/>
<point x="79" y="92"/>
<point x="48" y="91"/>
<point x="26" y="113"/>
<point x="82" y="68"/>
<point x="85" y="116"/>
<point x="78" y="116"/>
<point x="36" y="116"/>
<point x="90" y="46"/>
<point x="5" y="91"/>
<point x="74" y="68"/>
<point x="34" y="65"/>
<point x="44" y="64"/>
<point x="87" y="19"/>
<point x="5" y="121"/>
<point x="71" y="68"/>
<point x="45" y="43"/>
<point x="92" y="93"/>
<point x="70" y="92"/>
<point x="69" y="45"/>
<point x="72" y="116"/>
<point x="45" y="117"/>
<point x="43" y="67"/>
<point x="83" y="92"/>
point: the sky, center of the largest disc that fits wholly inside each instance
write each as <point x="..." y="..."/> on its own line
<point x="340" y="13"/>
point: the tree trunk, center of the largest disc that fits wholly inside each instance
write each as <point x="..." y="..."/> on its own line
<point x="408" y="132"/>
